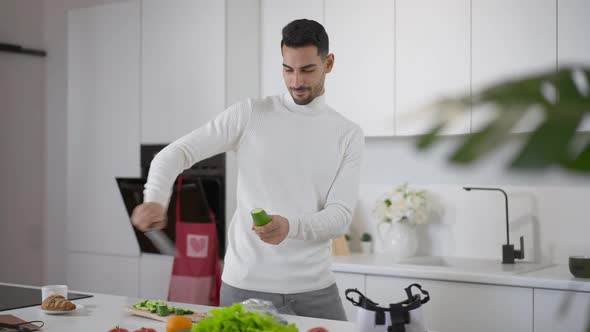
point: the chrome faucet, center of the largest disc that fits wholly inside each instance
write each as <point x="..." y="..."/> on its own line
<point x="508" y="252"/>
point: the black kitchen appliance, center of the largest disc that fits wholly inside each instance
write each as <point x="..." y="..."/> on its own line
<point x="203" y="196"/>
<point x="15" y="297"/>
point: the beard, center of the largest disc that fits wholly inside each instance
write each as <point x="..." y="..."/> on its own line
<point x="314" y="92"/>
<point x="302" y="100"/>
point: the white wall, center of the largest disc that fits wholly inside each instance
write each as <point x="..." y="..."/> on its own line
<point x="547" y="207"/>
<point x="21" y="144"/>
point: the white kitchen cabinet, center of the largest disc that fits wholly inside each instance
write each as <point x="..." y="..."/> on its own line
<point x="275" y="14"/>
<point x="432" y="45"/>
<point x="511" y="39"/>
<point x="346" y="281"/>
<point x="242" y="51"/>
<point x="108" y="274"/>
<point x="183" y="67"/>
<point x="462" y="307"/>
<point x="361" y="84"/>
<point x="573" y="44"/>
<point x="154" y="276"/>
<point x="103" y="126"/>
<point x="561" y="311"/>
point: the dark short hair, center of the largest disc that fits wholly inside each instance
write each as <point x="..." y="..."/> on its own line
<point x="304" y="32"/>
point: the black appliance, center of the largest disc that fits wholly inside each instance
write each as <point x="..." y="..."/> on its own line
<point x="15" y="297"/>
<point x="202" y="196"/>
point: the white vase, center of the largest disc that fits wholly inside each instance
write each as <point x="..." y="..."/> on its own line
<point x="366" y="247"/>
<point x="398" y="238"/>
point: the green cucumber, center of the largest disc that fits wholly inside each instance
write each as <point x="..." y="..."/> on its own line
<point x="260" y="217"/>
<point x="163" y="310"/>
<point x="182" y="311"/>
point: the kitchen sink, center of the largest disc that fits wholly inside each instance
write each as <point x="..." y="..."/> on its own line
<point x="473" y="264"/>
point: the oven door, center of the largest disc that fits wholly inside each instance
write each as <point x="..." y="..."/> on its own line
<point x="195" y="208"/>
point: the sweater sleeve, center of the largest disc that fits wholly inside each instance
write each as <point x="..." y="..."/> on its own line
<point x="221" y="134"/>
<point x="335" y="217"/>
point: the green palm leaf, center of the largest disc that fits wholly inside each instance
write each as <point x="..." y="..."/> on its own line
<point x="563" y="97"/>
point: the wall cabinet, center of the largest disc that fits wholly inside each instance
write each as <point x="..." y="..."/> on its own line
<point x="182" y="66"/>
<point x="103" y="126"/>
<point x="432" y="56"/>
<point x="361" y="85"/>
<point x="510" y="39"/>
<point x="346" y="281"/>
<point x="573" y="46"/>
<point x="462" y="307"/>
<point x="394" y="58"/>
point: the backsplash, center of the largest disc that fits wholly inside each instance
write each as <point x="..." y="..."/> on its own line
<point x="552" y="219"/>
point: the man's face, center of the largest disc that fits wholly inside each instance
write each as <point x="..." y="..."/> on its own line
<point x="305" y="72"/>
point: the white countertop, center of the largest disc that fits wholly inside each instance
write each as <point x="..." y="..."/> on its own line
<point x="102" y="312"/>
<point x="522" y="274"/>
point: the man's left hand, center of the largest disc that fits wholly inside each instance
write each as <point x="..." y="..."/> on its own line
<point x="275" y="231"/>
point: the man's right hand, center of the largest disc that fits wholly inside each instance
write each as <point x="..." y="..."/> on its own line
<point x="149" y="216"/>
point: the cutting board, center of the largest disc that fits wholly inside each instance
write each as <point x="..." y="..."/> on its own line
<point x="10" y="319"/>
<point x="195" y="317"/>
<point x="340" y="247"/>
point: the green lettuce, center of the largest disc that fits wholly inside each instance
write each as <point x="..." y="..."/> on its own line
<point x="236" y="319"/>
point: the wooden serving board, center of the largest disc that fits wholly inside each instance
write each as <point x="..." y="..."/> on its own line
<point x="10" y="319"/>
<point x="195" y="317"/>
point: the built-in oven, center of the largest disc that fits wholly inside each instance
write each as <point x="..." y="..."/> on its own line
<point x="202" y="196"/>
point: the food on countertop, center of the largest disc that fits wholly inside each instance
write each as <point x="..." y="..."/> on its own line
<point x="145" y="329"/>
<point x="161" y="308"/>
<point x="235" y="318"/>
<point x="318" y="329"/>
<point x="118" y="329"/>
<point x="182" y="311"/>
<point x="179" y="324"/>
<point x="260" y="217"/>
<point x="57" y="303"/>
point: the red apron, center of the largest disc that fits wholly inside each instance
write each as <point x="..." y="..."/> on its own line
<point x="196" y="273"/>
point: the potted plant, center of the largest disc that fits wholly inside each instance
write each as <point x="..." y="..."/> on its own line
<point x="366" y="243"/>
<point x="563" y="96"/>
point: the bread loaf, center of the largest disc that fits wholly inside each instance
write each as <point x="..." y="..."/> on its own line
<point x="57" y="303"/>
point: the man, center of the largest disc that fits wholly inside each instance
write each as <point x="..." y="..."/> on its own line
<point x="299" y="160"/>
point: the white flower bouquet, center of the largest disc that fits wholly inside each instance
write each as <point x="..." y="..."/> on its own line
<point x="402" y="204"/>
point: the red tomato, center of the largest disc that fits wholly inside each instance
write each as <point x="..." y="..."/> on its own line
<point x="145" y="329"/>
<point x="318" y="329"/>
<point x="118" y="329"/>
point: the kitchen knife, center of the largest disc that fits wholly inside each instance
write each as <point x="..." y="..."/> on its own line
<point x="161" y="242"/>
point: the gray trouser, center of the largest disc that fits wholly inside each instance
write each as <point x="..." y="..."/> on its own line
<point x="324" y="303"/>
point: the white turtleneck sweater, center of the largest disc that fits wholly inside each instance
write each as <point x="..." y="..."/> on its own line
<point x="298" y="161"/>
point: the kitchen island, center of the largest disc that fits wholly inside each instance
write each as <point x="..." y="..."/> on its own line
<point x="102" y="312"/>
